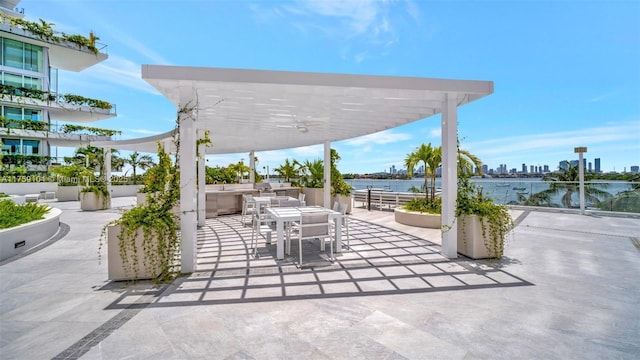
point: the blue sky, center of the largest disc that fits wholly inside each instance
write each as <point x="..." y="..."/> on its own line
<point x="566" y="74"/>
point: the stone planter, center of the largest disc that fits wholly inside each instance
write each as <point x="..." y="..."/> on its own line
<point x="471" y="243"/>
<point x="69" y="193"/>
<point x="18" y="239"/>
<point x="91" y="201"/>
<point x="345" y="199"/>
<point x="117" y="269"/>
<point x="314" y="196"/>
<point x="418" y="219"/>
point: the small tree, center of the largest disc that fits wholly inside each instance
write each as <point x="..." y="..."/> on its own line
<point x="139" y="161"/>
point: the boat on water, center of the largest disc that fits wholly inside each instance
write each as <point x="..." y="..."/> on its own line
<point x="519" y="188"/>
<point x="502" y="184"/>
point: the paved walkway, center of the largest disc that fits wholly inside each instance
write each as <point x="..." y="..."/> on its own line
<point x="567" y="288"/>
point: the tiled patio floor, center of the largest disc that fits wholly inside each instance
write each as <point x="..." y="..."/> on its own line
<point x="379" y="261"/>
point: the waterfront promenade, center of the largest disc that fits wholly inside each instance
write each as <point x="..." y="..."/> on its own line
<point x="566" y="289"/>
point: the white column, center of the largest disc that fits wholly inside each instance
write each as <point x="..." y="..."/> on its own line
<point x="581" y="150"/>
<point x="327" y="174"/>
<point x="201" y="183"/>
<point x="107" y="169"/>
<point x="449" y="130"/>
<point x="188" y="228"/>
<point x="252" y="165"/>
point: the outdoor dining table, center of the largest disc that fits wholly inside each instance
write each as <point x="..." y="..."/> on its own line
<point x="286" y="214"/>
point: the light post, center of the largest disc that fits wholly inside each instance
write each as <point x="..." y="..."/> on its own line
<point x="581" y="150"/>
<point x="369" y="187"/>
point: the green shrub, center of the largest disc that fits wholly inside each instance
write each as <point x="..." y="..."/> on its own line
<point x="12" y="215"/>
<point x="425" y="205"/>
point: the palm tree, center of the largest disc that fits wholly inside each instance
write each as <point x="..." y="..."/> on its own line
<point x="467" y="162"/>
<point x="239" y="168"/>
<point x="566" y="181"/>
<point x="431" y="158"/>
<point x="139" y="161"/>
<point x="93" y="158"/>
<point x="313" y="173"/>
<point x="288" y="170"/>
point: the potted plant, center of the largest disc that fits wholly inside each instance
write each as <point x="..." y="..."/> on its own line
<point x="70" y="177"/>
<point x="143" y="243"/>
<point x="421" y="212"/>
<point x="95" y="197"/>
<point x="482" y="225"/>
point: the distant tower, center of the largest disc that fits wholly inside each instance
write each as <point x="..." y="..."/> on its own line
<point x="524" y="168"/>
<point x="564" y="164"/>
<point x="546" y="168"/>
<point x="596" y="162"/>
<point x="532" y="169"/>
<point x="590" y="166"/>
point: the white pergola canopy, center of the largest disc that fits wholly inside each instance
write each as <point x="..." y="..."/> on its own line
<point x="258" y="110"/>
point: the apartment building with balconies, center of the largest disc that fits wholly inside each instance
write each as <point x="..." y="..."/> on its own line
<point x="34" y="116"/>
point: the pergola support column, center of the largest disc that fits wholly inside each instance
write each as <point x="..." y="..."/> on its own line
<point x="107" y="168"/>
<point x="327" y="175"/>
<point x="201" y="183"/>
<point x="188" y="225"/>
<point x="449" y="130"/>
<point x="252" y="167"/>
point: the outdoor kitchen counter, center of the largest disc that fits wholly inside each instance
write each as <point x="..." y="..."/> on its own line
<point x="225" y="202"/>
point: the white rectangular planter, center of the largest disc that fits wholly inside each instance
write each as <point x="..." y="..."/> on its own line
<point x="470" y="240"/>
<point x="69" y="193"/>
<point x="117" y="271"/>
<point x="91" y="201"/>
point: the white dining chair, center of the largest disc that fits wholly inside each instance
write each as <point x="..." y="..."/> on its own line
<point x="288" y="203"/>
<point x="301" y="197"/>
<point x="248" y="206"/>
<point x="261" y="224"/>
<point x="312" y="225"/>
<point x="345" y="220"/>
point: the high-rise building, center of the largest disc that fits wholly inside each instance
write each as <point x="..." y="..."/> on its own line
<point x="545" y="168"/>
<point x="596" y="163"/>
<point x="29" y="99"/>
<point x="589" y="166"/>
<point x="485" y="169"/>
<point x="563" y="165"/>
<point x="524" y="168"/>
<point x="533" y="169"/>
<point x="635" y="169"/>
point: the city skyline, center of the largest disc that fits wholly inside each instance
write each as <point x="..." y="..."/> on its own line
<point x="589" y="166"/>
<point x="574" y="82"/>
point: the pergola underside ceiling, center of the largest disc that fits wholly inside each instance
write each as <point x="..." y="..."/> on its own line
<point x="258" y="110"/>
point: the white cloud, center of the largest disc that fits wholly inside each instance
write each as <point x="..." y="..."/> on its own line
<point x="382" y="137"/>
<point x="309" y="151"/>
<point x="343" y="21"/>
<point x="143" y="131"/>
<point x="563" y="141"/>
<point x="122" y="72"/>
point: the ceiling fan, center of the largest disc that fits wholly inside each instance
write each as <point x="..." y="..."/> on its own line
<point x="302" y="126"/>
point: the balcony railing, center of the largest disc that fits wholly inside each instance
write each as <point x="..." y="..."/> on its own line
<point x="616" y="196"/>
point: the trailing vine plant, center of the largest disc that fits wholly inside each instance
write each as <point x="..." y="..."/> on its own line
<point x="44" y="31"/>
<point x="155" y="218"/>
<point x="42" y="95"/>
<point x="495" y="220"/>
